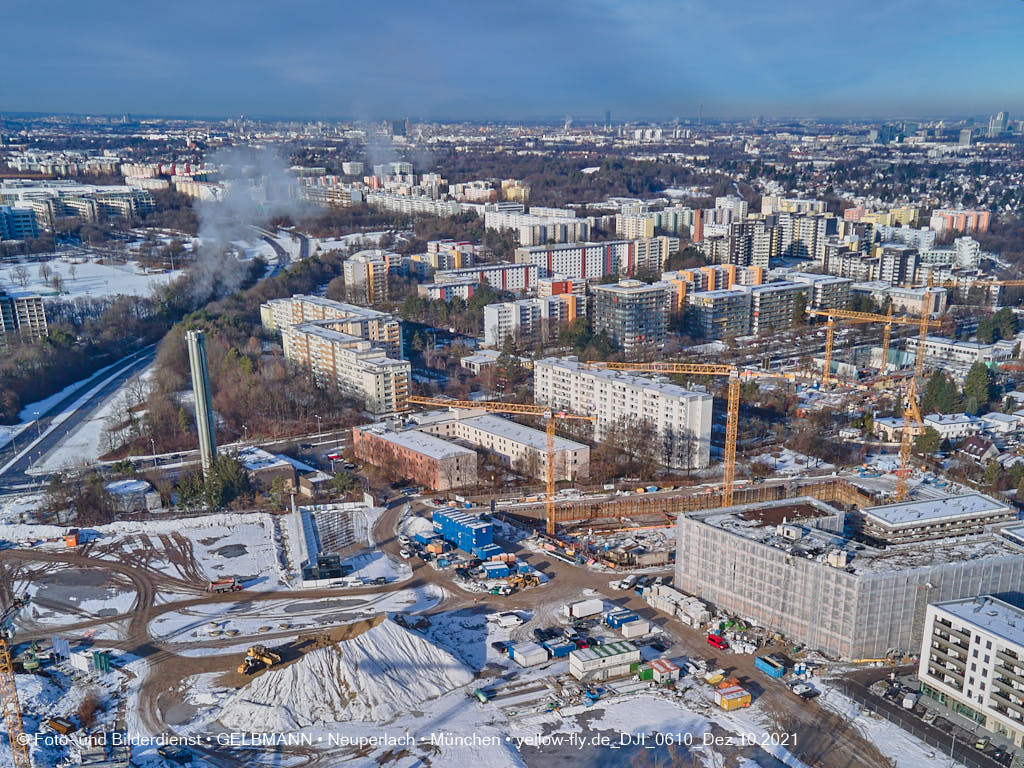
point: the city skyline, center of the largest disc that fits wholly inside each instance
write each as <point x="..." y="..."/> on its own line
<point x="476" y="61"/>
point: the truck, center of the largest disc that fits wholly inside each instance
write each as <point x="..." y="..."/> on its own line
<point x="582" y="609"/>
<point x="509" y="619"/>
<point x="770" y="665"/>
<point x="224" y="585"/>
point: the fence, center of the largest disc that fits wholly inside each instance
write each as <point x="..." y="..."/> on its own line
<point x="962" y="749"/>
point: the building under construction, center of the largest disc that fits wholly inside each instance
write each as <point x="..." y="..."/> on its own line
<point x="793" y="567"/>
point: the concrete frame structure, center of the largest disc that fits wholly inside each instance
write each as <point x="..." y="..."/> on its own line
<point x="788" y="566"/>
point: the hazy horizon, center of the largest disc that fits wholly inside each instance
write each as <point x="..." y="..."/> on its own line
<point x="642" y="59"/>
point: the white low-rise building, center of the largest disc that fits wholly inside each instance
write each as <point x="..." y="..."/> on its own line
<point x="601" y="662"/>
<point x="953" y="426"/>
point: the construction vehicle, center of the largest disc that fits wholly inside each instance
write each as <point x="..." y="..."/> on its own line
<point x="8" y="688"/>
<point x="548" y="414"/>
<point x="256" y="657"/>
<point x="523" y="581"/>
<point x="224" y="585"/>
<point x="889" y="320"/>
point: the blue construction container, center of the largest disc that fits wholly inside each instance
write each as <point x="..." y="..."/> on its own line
<point x="522" y="567"/>
<point x="559" y="648"/>
<point x="496" y="570"/>
<point x="462" y="530"/>
<point x="616" y="619"/>
<point x="487" y="551"/>
<point x="770" y="666"/>
<point x="425" y="538"/>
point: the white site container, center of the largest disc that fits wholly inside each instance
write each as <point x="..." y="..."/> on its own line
<point x="528" y="654"/>
<point x="581" y="609"/>
<point x="635" y="628"/>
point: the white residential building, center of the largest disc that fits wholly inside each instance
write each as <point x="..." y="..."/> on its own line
<point x="953" y="426"/>
<point x="517" y="278"/>
<point x="972" y="661"/>
<point x="380" y="328"/>
<point x="681" y="417"/>
<point x="528" y="320"/>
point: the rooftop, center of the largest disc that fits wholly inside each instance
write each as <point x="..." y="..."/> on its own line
<point x="594" y="652"/>
<point x="428" y="445"/>
<point x="989" y="614"/>
<point x="660" y="385"/>
<point x="912" y="513"/>
<point x="534" y="438"/>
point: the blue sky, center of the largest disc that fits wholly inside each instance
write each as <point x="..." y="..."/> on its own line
<point x="528" y="59"/>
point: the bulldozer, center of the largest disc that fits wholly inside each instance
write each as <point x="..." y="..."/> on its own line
<point x="256" y="657"/>
<point x="523" y="581"/>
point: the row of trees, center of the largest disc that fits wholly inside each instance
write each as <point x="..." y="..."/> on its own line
<point x="941" y="394"/>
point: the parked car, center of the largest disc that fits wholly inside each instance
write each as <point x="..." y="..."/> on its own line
<point x="350" y="466"/>
<point x="717" y="641"/>
<point x="659" y="646"/>
<point x="500" y="645"/>
<point x="981" y="743"/>
<point x="405" y="553"/>
<point x="404" y="539"/>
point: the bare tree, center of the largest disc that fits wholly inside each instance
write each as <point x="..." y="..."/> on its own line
<point x="20" y="275"/>
<point x="44" y="272"/>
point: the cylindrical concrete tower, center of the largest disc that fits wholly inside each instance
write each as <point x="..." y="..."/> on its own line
<point x="204" y="404"/>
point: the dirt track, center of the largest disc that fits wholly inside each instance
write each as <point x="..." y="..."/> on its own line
<point x="824" y="740"/>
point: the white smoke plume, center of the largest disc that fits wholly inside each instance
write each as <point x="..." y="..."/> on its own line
<point x="257" y="188"/>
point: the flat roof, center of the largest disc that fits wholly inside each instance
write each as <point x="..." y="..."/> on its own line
<point x="594" y="652"/>
<point x="641" y="382"/>
<point x="534" y="438"/>
<point x="817" y="540"/>
<point x="910" y="513"/>
<point x="428" y="445"/>
<point x="989" y="614"/>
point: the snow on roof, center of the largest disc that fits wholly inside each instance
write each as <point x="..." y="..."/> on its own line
<point x="640" y="382"/>
<point x="1005" y="418"/>
<point x="128" y="487"/>
<point x="951" y="418"/>
<point x="254" y="459"/>
<point x="989" y="614"/>
<point x="506" y="428"/>
<point x="428" y="445"/>
<point x="594" y="652"/>
<point x="933" y="510"/>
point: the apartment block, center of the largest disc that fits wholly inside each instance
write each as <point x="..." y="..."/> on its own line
<point x="530" y="321"/>
<point x="351" y="364"/>
<point x="18" y="223"/>
<point x="366" y="275"/>
<point x="946" y="220"/>
<point x="520" y="447"/>
<point x="549" y="225"/>
<point x="803" y="235"/>
<point x="633" y="314"/>
<point x="516" y="278"/>
<point x="972" y="661"/>
<point x="460" y="289"/>
<point x="777" y="204"/>
<point x="633" y="227"/>
<point x="558" y="285"/>
<point x="788" y="566"/>
<point x="773" y="306"/>
<point x="22" y="314"/>
<point x="931" y="519"/>
<point x="753" y="242"/>
<point x="720" y="314"/>
<point x="424" y="459"/>
<point x="412" y="205"/>
<point x="680" y="417"/>
<point x="824" y="291"/>
<point x="380" y="328"/>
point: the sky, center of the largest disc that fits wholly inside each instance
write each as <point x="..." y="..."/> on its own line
<point x="522" y="60"/>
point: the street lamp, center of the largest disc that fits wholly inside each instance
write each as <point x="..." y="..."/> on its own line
<point x="245" y="432"/>
<point x="317" y="416"/>
<point x="39" y="431"/>
<point x="152" y="444"/>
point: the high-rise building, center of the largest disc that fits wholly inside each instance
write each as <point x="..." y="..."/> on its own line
<point x="351" y="364"/>
<point x="719" y="314"/>
<point x="22" y="314"/>
<point x="380" y="328"/>
<point x="773" y="306"/>
<point x="18" y="223"/>
<point x="946" y="220"/>
<point x="633" y="314"/>
<point x="530" y="321"/>
<point x="972" y="661"/>
<point x="803" y="235"/>
<point x="679" y="417"/>
<point x="998" y="124"/>
<point x="366" y="275"/>
<point x="517" y="278"/>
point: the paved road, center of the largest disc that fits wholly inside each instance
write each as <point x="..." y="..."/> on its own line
<point x="15" y="474"/>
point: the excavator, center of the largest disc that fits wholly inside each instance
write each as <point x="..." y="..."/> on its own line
<point x="256" y="657"/>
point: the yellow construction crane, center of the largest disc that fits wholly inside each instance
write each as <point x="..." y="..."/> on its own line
<point x="732" y="411"/>
<point x="924" y="322"/>
<point x="549" y="414"/>
<point x="911" y="411"/>
<point x="9" y="691"/>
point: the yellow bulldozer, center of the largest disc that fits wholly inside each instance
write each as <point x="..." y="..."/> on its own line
<point x="256" y="657"/>
<point x="524" y="580"/>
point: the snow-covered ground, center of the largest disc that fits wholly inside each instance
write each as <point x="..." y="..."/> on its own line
<point x="90" y="439"/>
<point x="91" y="279"/>
<point x="372" y="240"/>
<point x="789" y="462"/>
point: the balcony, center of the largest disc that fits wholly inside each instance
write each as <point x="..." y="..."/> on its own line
<point x="940" y="674"/>
<point x="1010" y="659"/>
<point x="951" y="642"/>
<point x="1009" y="673"/>
<point x="1001" y="699"/>
<point x="961" y="663"/>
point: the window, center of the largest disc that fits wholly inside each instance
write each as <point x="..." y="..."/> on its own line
<point x="988" y="645"/>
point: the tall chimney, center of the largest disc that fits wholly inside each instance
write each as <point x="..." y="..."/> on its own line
<point x="204" y="405"/>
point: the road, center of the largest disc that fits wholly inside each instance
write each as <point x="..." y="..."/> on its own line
<point x="15" y="461"/>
